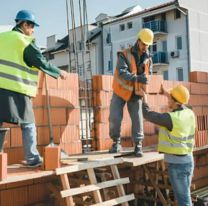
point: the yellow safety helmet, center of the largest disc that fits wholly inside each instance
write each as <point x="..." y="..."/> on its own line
<point x="146" y="36"/>
<point x="180" y="94"/>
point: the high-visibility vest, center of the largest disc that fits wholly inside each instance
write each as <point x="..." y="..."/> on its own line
<point x="15" y="75"/>
<point x="124" y="88"/>
<point x="180" y="140"/>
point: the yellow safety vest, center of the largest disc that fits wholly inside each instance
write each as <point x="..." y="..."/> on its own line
<point x="124" y="88"/>
<point x="180" y="140"/>
<point x="15" y="75"/>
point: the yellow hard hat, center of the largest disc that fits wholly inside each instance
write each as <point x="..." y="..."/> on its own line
<point x="146" y="36"/>
<point x="180" y="94"/>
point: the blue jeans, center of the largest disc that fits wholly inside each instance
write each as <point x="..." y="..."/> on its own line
<point x="180" y="176"/>
<point x="116" y="115"/>
<point x="29" y="136"/>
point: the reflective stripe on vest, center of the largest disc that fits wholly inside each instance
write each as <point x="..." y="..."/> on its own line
<point x="15" y="75"/>
<point x="181" y="139"/>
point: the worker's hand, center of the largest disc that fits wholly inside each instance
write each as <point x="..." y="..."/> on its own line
<point x="163" y="91"/>
<point x="63" y="74"/>
<point x="142" y="79"/>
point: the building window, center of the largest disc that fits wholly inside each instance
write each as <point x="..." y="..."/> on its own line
<point x="51" y="56"/>
<point x="110" y="68"/>
<point x="122" y="27"/>
<point x="129" y="25"/>
<point x="108" y="38"/>
<point x="178" y="42"/>
<point x="163" y="16"/>
<point x="80" y="45"/>
<point x="164" y="46"/>
<point x="180" y="74"/>
<point x="154" y="47"/>
<point x="122" y="46"/>
<point x="177" y="14"/>
<point x="165" y="75"/>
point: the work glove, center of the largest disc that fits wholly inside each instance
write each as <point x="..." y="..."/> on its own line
<point x="142" y="79"/>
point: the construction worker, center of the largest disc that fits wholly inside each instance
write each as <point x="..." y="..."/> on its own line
<point x="20" y="61"/>
<point x="176" y="140"/>
<point x="131" y="64"/>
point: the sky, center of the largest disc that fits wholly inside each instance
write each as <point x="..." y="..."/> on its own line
<point x="51" y="14"/>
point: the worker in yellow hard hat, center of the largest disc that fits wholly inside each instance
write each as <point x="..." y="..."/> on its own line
<point x="20" y="62"/>
<point x="176" y="140"/>
<point x="133" y="64"/>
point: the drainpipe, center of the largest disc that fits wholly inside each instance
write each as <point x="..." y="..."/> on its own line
<point x="188" y="44"/>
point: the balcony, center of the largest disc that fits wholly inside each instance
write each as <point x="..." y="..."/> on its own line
<point x="160" y="58"/>
<point x="157" y="26"/>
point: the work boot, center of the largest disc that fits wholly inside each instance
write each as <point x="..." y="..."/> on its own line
<point x="116" y="147"/>
<point x="138" y="150"/>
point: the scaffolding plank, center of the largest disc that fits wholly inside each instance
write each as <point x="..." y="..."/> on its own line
<point x="148" y="157"/>
<point x="116" y="201"/>
<point x="90" y="188"/>
<point x="93" y="164"/>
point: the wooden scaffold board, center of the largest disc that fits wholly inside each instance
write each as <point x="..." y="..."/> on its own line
<point x="94" y="186"/>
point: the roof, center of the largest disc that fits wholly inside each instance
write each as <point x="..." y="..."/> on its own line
<point x="173" y="2"/>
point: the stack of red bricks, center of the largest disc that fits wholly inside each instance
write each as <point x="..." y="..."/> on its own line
<point x="199" y="101"/>
<point x="65" y="118"/>
<point x="103" y="93"/>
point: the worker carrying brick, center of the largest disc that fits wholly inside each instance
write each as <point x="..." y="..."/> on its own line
<point x="176" y="140"/>
<point x="20" y="61"/>
<point x="133" y="64"/>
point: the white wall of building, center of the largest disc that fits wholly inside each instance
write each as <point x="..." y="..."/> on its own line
<point x="198" y="33"/>
<point x="176" y="27"/>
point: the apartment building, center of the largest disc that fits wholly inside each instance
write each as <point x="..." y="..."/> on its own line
<point x="180" y="43"/>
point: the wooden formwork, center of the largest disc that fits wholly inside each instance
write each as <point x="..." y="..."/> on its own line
<point x="94" y="186"/>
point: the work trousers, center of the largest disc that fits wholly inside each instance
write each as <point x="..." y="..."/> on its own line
<point x="29" y="136"/>
<point x="116" y="115"/>
<point x="180" y="176"/>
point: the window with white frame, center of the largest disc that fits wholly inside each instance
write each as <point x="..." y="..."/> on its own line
<point x="110" y="66"/>
<point x="177" y="14"/>
<point x="129" y="25"/>
<point x="122" y="27"/>
<point x="178" y="42"/>
<point x="180" y="73"/>
<point x="165" y="75"/>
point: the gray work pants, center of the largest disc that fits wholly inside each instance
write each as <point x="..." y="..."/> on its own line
<point x="116" y="115"/>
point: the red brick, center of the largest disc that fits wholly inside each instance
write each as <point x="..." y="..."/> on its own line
<point x="16" y="137"/>
<point x="3" y="166"/>
<point x="51" y="157"/>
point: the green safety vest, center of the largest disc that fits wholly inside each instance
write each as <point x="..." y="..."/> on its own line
<point x="180" y="140"/>
<point x="15" y="75"/>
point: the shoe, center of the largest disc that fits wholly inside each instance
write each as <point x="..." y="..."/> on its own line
<point x="34" y="164"/>
<point x="138" y="151"/>
<point x="116" y="147"/>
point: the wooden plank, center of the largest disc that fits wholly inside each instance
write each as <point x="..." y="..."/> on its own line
<point x="65" y="184"/>
<point x="22" y="174"/>
<point x="93" y="180"/>
<point x="88" y="165"/>
<point x="120" y="188"/>
<point x="148" y="157"/>
<point x="90" y="188"/>
<point x="116" y="201"/>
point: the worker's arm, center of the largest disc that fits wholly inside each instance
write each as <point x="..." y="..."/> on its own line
<point x="33" y="57"/>
<point x="162" y="119"/>
<point x="124" y="71"/>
